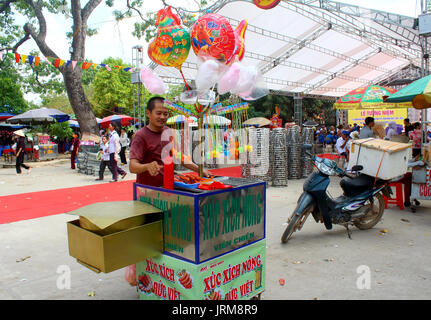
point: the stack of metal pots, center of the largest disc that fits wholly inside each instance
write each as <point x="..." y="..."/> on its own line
<point x="294" y="151"/>
<point x="258" y="161"/>
<point x="279" y="157"/>
<point x="307" y="138"/>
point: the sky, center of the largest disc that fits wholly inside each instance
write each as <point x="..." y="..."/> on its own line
<point x="116" y="40"/>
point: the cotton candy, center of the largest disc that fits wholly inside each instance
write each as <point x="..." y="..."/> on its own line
<point x="152" y="82"/>
<point x="230" y="79"/>
<point x="208" y="75"/>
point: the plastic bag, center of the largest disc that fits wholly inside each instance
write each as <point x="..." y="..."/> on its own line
<point x="130" y="275"/>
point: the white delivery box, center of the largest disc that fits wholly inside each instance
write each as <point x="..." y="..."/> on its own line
<point x="383" y="159"/>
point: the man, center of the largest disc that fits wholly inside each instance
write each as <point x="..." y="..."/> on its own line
<point x="341" y="144"/>
<point x="367" y="131"/>
<point x="20" y="150"/>
<point x="407" y="126"/>
<point x="74" y="150"/>
<point x="149" y="142"/>
<point x="114" y="149"/>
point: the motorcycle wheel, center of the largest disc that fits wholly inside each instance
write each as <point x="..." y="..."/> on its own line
<point x="372" y="218"/>
<point x="295" y="222"/>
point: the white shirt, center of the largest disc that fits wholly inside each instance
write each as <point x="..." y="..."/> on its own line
<point x="340" y="142"/>
<point x="105" y="147"/>
<point x="114" y="142"/>
<point x="124" y="140"/>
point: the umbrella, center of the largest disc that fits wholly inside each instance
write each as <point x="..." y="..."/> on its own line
<point x="367" y="98"/>
<point x="259" y="121"/>
<point x="180" y="119"/>
<point x="310" y="123"/>
<point x="117" y="119"/>
<point x="10" y="126"/>
<point x="216" y="120"/>
<point x="35" y="116"/>
<point x="57" y="114"/>
<point x="5" y="115"/>
<point x="73" y="123"/>
<point x="416" y="94"/>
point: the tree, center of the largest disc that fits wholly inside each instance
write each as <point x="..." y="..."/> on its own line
<point x="11" y="98"/>
<point x="36" y="29"/>
<point x="113" y="90"/>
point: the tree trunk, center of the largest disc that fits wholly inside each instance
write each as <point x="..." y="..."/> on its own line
<point x="79" y="102"/>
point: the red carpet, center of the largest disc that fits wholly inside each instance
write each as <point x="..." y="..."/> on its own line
<point x="33" y="205"/>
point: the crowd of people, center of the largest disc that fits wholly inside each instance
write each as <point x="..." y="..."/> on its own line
<point x="338" y="139"/>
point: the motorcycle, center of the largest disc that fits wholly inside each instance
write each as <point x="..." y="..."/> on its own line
<point x="362" y="203"/>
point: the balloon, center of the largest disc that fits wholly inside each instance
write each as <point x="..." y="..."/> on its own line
<point x="171" y="46"/>
<point x="230" y="79"/>
<point x="152" y="82"/>
<point x="266" y="4"/>
<point x="207" y="76"/>
<point x="213" y="36"/>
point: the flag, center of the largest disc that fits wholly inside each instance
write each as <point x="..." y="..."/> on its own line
<point x="23" y="58"/>
<point x="68" y="63"/>
<point x="17" y="57"/>
<point x="36" y="61"/>
<point x="30" y="59"/>
<point x="61" y="62"/>
<point x="56" y="63"/>
<point x="1" y="55"/>
<point x="73" y="64"/>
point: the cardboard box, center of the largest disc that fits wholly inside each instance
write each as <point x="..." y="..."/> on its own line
<point x="380" y="158"/>
<point x="116" y="238"/>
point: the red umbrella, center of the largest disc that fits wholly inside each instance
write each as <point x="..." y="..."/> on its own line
<point x="5" y="115"/>
<point x="117" y="119"/>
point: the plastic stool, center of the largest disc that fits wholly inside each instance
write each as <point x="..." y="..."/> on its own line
<point x="399" y="198"/>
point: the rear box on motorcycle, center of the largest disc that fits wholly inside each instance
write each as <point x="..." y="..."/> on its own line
<point x="380" y="158"/>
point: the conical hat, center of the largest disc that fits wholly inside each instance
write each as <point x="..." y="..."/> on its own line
<point x="19" y="133"/>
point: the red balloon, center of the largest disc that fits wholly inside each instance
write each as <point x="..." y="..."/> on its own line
<point x="213" y="36"/>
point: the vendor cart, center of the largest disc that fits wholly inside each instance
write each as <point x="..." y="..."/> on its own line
<point x="214" y="243"/>
<point x="188" y="244"/>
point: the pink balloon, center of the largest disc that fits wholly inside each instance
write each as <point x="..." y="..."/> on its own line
<point x="152" y="82"/>
<point x="230" y="79"/>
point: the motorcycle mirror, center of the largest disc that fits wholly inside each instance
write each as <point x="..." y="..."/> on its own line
<point x="357" y="168"/>
<point x="307" y="146"/>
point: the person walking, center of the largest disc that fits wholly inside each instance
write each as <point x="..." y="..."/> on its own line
<point x="104" y="161"/>
<point x="124" y="142"/>
<point x="114" y="149"/>
<point x="20" y="151"/>
<point x="74" y="150"/>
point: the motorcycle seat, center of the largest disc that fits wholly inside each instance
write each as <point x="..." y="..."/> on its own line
<point x="356" y="185"/>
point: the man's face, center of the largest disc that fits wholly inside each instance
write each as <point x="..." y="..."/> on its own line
<point x="158" y="116"/>
<point x="111" y="128"/>
<point x="371" y="124"/>
<point x="406" y="123"/>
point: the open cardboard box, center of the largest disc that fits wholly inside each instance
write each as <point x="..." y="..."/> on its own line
<point x="112" y="235"/>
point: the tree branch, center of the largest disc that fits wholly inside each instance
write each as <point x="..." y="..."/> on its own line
<point x="5" y="4"/>
<point x="133" y="8"/>
<point x="88" y="9"/>
<point x="18" y="44"/>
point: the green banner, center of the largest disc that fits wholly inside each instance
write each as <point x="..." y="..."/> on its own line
<point x="239" y="275"/>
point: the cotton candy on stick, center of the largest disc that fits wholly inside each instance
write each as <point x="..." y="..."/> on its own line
<point x="208" y="74"/>
<point x="230" y="79"/>
<point x="152" y="82"/>
<point x="247" y="80"/>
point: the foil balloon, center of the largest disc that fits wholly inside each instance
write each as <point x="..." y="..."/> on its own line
<point x="266" y="4"/>
<point x="213" y="36"/>
<point x="171" y="46"/>
<point x="152" y="82"/>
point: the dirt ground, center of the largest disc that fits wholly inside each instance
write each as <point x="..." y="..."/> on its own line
<point x="315" y="264"/>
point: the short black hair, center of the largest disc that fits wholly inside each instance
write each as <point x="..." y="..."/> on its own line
<point x="407" y="119"/>
<point x="417" y="125"/>
<point x="152" y="102"/>
<point x="368" y="120"/>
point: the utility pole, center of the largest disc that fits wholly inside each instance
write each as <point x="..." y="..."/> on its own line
<point x="138" y="87"/>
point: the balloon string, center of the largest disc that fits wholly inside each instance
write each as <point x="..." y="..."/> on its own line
<point x="184" y="79"/>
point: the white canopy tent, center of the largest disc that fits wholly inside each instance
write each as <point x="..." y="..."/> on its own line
<point x="317" y="47"/>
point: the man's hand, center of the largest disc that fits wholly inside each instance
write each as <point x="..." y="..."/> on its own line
<point x="153" y="168"/>
<point x="206" y="173"/>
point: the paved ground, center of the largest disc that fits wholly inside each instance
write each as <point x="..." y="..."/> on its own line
<point x="316" y="264"/>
